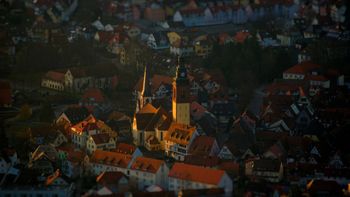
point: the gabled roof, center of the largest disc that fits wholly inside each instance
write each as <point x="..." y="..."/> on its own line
<point x="108" y="178"/>
<point x="268" y="165"/>
<point x="241" y="36"/>
<point x="180" y="134"/>
<point x="55" y="76"/>
<point x="111" y="158"/>
<point x="47" y="151"/>
<point x="302" y="68"/>
<point x="202" y="145"/>
<point x="76" y="114"/>
<point x="196" y="173"/>
<point x="147" y="164"/>
<point x="125" y="148"/>
<point x="101" y="138"/>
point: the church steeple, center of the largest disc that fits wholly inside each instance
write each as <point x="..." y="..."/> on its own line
<point x="146" y="91"/>
<point x="181" y="95"/>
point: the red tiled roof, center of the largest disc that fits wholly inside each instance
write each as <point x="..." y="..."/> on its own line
<point x="94" y="93"/>
<point x="241" y="36"/>
<point x="125" y="148"/>
<point x="316" y="78"/>
<point x="101" y="138"/>
<point x="202" y="145"/>
<point x="55" y="76"/>
<point x="147" y="164"/>
<point x="196" y="173"/>
<point x="302" y="68"/>
<point x="110" y="158"/>
<point x="179" y="133"/>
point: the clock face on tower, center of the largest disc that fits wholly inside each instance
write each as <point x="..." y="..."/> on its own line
<point x="182" y="74"/>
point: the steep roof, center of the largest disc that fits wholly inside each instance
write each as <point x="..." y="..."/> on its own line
<point x="101" y="138"/>
<point x="147" y="164"/>
<point x="125" y="148"/>
<point x="111" y="158"/>
<point x="302" y="68"/>
<point x="180" y="134"/>
<point x="196" y="173"/>
<point x="107" y="178"/>
<point x="76" y="114"/>
<point x="202" y="145"/>
<point x="55" y="76"/>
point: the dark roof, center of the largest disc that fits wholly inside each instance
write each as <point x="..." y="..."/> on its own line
<point x="76" y="113"/>
<point x="269" y="165"/>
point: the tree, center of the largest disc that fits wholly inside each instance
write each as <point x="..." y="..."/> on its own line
<point x="46" y="113"/>
<point x="25" y="113"/>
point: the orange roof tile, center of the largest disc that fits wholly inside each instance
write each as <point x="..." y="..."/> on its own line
<point x="125" y="148"/>
<point x="147" y="164"/>
<point x="241" y="36"/>
<point x="202" y="145"/>
<point x="55" y="76"/>
<point x="179" y="133"/>
<point x="302" y="68"/>
<point x="148" y="108"/>
<point x="110" y="158"/>
<point x="196" y="173"/>
<point x="101" y="138"/>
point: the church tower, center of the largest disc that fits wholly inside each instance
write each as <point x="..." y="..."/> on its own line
<point x="146" y="91"/>
<point x="181" y="96"/>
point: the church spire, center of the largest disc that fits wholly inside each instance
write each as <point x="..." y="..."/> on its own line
<point x="181" y="72"/>
<point x="146" y="85"/>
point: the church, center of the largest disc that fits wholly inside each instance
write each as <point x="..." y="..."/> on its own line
<point x="156" y="128"/>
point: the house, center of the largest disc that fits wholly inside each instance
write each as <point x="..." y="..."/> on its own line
<point x="205" y="146"/>
<point x="158" y="40"/>
<point x="300" y="71"/>
<point x="53" y="185"/>
<point x="153" y="87"/>
<point x="203" y="48"/>
<point x="185" y="176"/>
<point x="101" y="141"/>
<point x="81" y="131"/>
<point x="267" y="169"/>
<point x="92" y="98"/>
<point x="116" y="182"/>
<point x="73" y="161"/>
<point x="147" y="171"/>
<point x="43" y="159"/>
<point x="78" y="79"/>
<point x="107" y="161"/>
<point x="5" y="94"/>
<point x="47" y="135"/>
<point x="149" y="127"/>
<point x="72" y="115"/>
<point x="323" y="187"/>
<point x="178" y="140"/>
<point x="154" y="12"/>
<point x="128" y="149"/>
<point x="121" y="123"/>
<point x="53" y="80"/>
<point x="181" y="48"/>
<point x="241" y="36"/>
